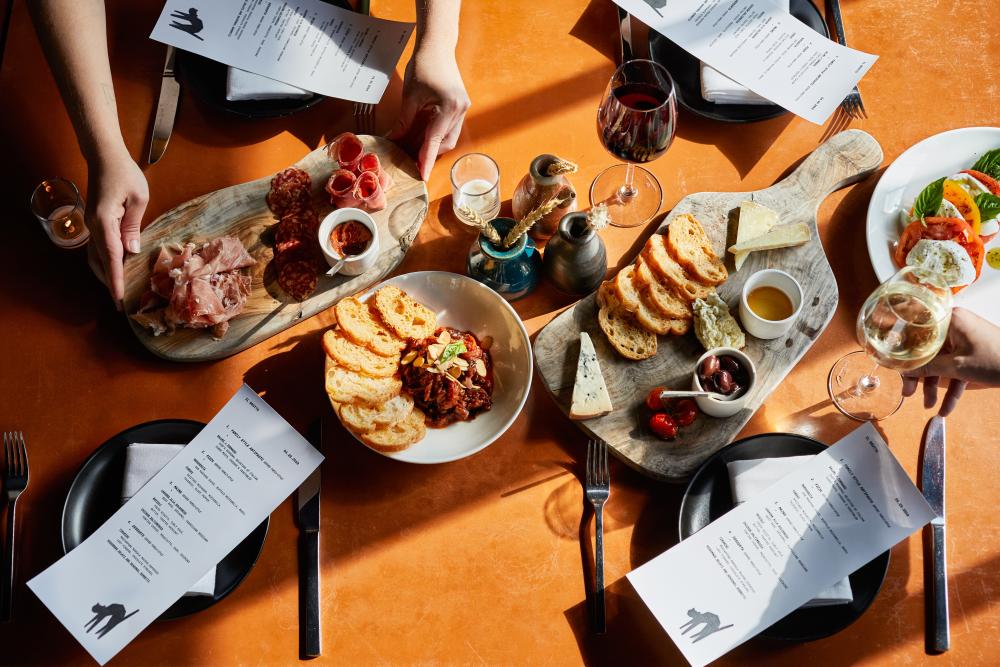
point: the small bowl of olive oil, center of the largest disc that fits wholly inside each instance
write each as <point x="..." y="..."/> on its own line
<point x="770" y="303"/>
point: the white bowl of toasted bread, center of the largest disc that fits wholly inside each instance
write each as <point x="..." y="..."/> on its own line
<point x="384" y="333"/>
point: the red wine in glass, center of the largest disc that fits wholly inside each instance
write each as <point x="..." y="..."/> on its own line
<point x="636" y="122"/>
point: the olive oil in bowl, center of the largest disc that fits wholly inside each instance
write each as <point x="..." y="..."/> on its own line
<point x="770" y="303"/>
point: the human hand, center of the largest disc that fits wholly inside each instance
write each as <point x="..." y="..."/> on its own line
<point x="117" y="194"/>
<point x="434" y="105"/>
<point x="970" y="357"/>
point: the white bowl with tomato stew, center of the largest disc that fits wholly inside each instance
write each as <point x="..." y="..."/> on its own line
<point x="467" y="305"/>
<point x="349" y="240"/>
<point x="945" y="155"/>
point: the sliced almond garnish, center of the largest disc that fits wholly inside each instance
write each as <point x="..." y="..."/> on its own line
<point x="435" y="351"/>
<point x="410" y="356"/>
<point x="444" y="338"/>
<point x="418" y="362"/>
<point x="455" y="371"/>
<point x="481" y="367"/>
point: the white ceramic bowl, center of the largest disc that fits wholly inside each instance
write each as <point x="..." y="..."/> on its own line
<point x="354" y="265"/>
<point x="714" y="407"/>
<point x="463" y="303"/>
<point x="756" y="325"/>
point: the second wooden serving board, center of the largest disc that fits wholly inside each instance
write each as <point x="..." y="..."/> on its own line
<point x="241" y="211"/>
<point x="846" y="158"/>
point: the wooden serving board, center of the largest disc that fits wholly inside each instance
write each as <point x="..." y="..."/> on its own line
<point x="845" y="158"/>
<point x="241" y="211"/>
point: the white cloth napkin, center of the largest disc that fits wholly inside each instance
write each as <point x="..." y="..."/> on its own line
<point x="719" y="88"/>
<point x="142" y="461"/>
<point x="750" y="478"/>
<point x="242" y="85"/>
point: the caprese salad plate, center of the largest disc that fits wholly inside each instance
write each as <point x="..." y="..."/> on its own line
<point x="938" y="206"/>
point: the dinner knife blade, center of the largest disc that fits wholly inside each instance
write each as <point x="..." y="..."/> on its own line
<point x="166" y="109"/>
<point x="932" y="484"/>
<point x="625" y="33"/>
<point x="307" y="498"/>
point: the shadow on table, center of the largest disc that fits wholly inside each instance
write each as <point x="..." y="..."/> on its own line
<point x="743" y="149"/>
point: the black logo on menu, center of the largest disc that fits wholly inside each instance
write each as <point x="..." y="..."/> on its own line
<point x="114" y="613"/>
<point x="710" y="624"/>
<point x="656" y="5"/>
<point x="192" y="25"/>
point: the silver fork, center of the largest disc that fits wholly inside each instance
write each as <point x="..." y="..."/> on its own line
<point x="852" y="104"/>
<point x="15" y="481"/>
<point x="364" y="118"/>
<point x="598" y="489"/>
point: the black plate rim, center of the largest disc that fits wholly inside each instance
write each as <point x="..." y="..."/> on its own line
<point x="884" y="556"/>
<point x="768" y="111"/>
<point x="200" y="602"/>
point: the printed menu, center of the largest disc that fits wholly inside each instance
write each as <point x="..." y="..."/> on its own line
<point x="758" y="44"/>
<point x="768" y="556"/>
<point x="305" y="43"/>
<point x="196" y="510"/>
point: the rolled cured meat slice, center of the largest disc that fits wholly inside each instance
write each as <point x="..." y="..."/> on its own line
<point x="371" y="162"/>
<point x="341" y="189"/>
<point x="369" y="190"/>
<point x="346" y="150"/>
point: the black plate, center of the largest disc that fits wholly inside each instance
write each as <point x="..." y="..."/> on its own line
<point x="206" y="79"/>
<point x="686" y="72"/>
<point x="96" y="494"/>
<point x="708" y="497"/>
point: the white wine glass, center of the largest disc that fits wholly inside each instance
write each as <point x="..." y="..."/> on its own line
<point x="901" y="327"/>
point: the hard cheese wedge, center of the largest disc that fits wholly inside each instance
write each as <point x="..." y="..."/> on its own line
<point x="590" y="394"/>
<point x="782" y="236"/>
<point x="755" y="221"/>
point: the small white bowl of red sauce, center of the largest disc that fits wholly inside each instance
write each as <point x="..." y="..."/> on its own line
<point x="349" y="240"/>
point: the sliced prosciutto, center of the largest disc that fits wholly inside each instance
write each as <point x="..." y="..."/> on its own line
<point x="341" y="189"/>
<point x="368" y="189"/>
<point x="346" y="150"/>
<point x="370" y="162"/>
<point x="199" y="287"/>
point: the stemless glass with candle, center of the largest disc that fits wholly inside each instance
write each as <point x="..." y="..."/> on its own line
<point x="901" y="327"/>
<point x="475" y="184"/>
<point x="636" y="123"/>
<point x="58" y="206"/>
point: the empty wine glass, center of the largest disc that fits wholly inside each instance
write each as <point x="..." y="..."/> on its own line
<point x="901" y="327"/>
<point x="636" y="123"/>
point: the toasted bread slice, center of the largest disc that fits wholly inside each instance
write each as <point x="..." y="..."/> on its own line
<point x="362" y="326"/>
<point x="626" y="290"/>
<point x="671" y="273"/>
<point x="405" y="317"/>
<point x="688" y="243"/>
<point x="397" y="436"/>
<point x="347" y="386"/>
<point x="663" y="298"/>
<point x="641" y="305"/>
<point x="623" y="331"/>
<point x="356" y="357"/>
<point x="364" y="417"/>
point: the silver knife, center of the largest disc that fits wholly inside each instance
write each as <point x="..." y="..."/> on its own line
<point x="936" y="577"/>
<point x="166" y="109"/>
<point x="308" y="520"/>
<point x="625" y="32"/>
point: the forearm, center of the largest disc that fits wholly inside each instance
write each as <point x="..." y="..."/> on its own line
<point x="74" y="38"/>
<point x="437" y="26"/>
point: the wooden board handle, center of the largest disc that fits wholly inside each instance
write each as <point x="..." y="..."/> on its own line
<point x="845" y="158"/>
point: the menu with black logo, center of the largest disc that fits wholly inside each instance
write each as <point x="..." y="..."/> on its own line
<point x="771" y="554"/>
<point x="202" y="504"/>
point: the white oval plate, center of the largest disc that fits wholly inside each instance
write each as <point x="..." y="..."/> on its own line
<point x="940" y="155"/>
<point x="463" y="303"/>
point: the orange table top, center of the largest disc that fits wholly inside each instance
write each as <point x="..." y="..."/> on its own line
<point x="477" y="560"/>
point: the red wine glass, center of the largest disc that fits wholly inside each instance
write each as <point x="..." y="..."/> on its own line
<point x="636" y="123"/>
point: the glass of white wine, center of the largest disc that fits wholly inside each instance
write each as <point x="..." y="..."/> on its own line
<point x="901" y="327"/>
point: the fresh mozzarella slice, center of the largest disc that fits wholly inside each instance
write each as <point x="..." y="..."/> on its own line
<point x="944" y="258"/>
<point x="989" y="227"/>
<point x="949" y="210"/>
<point x="970" y="183"/>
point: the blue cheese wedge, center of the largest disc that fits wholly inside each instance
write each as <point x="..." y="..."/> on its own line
<point x="715" y="326"/>
<point x="590" y="394"/>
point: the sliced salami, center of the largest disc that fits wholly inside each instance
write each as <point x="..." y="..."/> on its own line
<point x="369" y="190"/>
<point x="290" y="188"/>
<point x="299" y="224"/>
<point x="297" y="279"/>
<point x="346" y="150"/>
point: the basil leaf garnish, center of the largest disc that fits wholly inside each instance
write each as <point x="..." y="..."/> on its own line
<point x="988" y="205"/>
<point x="989" y="163"/>
<point x="450" y="352"/>
<point x="929" y="200"/>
